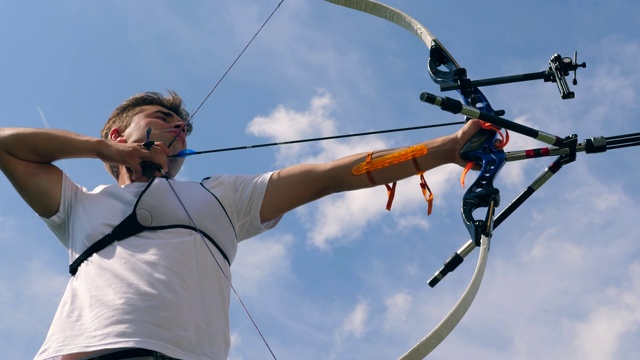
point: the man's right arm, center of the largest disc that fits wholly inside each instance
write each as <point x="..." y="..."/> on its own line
<point x="26" y="157"/>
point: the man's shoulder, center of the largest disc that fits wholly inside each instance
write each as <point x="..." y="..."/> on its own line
<point x="236" y="181"/>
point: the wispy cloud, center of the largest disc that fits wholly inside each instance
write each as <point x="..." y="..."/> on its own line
<point x="353" y="326"/>
<point x="43" y="118"/>
<point x="613" y="317"/>
<point x="398" y="307"/>
<point x="262" y="263"/>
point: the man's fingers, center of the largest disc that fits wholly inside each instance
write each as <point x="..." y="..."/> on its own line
<point x="159" y="146"/>
<point x="136" y="171"/>
<point x="158" y="156"/>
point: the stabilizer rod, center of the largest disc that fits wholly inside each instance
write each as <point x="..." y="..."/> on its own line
<point x="458" y="257"/>
<point x="457" y="107"/>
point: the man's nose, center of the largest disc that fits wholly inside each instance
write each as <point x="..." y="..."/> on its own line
<point x="185" y="127"/>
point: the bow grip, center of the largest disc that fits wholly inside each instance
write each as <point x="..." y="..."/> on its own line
<point x="472" y="150"/>
<point x="482" y="192"/>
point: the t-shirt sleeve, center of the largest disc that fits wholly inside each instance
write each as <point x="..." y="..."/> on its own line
<point x="59" y="223"/>
<point x="241" y="196"/>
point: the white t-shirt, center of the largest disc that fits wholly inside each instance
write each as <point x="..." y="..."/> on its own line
<point x="162" y="289"/>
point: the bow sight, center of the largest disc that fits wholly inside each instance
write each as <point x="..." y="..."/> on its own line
<point x="559" y="68"/>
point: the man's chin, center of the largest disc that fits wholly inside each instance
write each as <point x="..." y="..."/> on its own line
<point x="175" y="164"/>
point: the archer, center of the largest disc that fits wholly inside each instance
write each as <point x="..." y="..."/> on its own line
<point x="150" y="256"/>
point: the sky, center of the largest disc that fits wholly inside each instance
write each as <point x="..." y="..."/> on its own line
<point x="343" y="278"/>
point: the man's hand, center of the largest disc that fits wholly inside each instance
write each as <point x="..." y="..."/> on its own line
<point x="463" y="136"/>
<point x="139" y="161"/>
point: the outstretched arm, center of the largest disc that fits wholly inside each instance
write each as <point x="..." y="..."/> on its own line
<point x="300" y="184"/>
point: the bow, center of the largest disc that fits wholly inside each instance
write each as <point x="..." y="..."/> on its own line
<point x="443" y="70"/>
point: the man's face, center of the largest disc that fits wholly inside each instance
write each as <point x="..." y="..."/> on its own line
<point x="166" y="127"/>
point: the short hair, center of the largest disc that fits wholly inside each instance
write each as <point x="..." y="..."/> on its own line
<point x="122" y="115"/>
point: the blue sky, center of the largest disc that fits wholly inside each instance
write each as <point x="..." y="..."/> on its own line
<point x="343" y="278"/>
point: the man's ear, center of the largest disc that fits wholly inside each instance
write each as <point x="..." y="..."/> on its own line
<point x="116" y="135"/>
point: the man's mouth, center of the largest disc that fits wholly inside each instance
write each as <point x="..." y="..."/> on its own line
<point x="177" y="135"/>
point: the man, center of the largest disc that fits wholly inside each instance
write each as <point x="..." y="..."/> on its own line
<point x="150" y="256"/>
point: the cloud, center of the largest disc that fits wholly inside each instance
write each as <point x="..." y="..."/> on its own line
<point x="43" y="118"/>
<point x="611" y="318"/>
<point x="284" y="124"/>
<point x="398" y="307"/>
<point x="31" y="296"/>
<point x="261" y="263"/>
<point x="236" y="343"/>
<point x="354" y="325"/>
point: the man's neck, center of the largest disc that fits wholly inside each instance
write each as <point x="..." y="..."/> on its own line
<point x="126" y="177"/>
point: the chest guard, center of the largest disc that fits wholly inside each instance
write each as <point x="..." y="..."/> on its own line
<point x="159" y="208"/>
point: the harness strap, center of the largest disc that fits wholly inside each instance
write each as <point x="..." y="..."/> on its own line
<point x="131" y="226"/>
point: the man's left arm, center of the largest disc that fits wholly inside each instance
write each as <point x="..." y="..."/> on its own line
<point x="297" y="185"/>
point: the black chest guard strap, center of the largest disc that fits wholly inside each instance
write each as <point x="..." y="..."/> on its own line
<point x="128" y="227"/>
<point x="131" y="226"/>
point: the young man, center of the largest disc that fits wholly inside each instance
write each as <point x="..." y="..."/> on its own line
<point x="150" y="256"/>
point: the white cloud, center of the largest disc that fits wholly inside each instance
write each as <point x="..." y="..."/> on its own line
<point x="29" y="298"/>
<point x="398" y="307"/>
<point x="261" y="262"/>
<point x="284" y="124"/>
<point x="611" y="318"/>
<point x="338" y="219"/>
<point x="342" y="218"/>
<point x="354" y="326"/>
<point x="236" y="343"/>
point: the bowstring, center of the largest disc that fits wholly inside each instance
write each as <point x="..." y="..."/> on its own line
<point x="237" y="295"/>
<point x="236" y="59"/>
<point x="233" y="63"/>
<point x="235" y="292"/>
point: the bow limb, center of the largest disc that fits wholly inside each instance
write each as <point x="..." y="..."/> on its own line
<point x="412" y="25"/>
<point x="393" y="15"/>
<point x="444" y="328"/>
